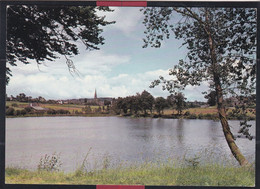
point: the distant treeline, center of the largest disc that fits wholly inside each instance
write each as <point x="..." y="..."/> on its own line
<point x="145" y="103"/>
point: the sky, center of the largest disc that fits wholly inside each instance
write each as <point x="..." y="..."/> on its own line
<point x="120" y="68"/>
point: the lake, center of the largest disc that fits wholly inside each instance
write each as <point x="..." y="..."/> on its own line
<point x="117" y="139"/>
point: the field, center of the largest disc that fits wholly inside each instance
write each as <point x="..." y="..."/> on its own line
<point x="77" y="109"/>
<point x="68" y="109"/>
<point x="197" y="111"/>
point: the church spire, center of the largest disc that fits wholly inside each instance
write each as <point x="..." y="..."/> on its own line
<point x="95" y="95"/>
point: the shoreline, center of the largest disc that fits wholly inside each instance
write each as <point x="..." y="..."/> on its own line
<point x="202" y="117"/>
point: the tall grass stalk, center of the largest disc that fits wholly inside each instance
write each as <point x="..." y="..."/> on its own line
<point x="170" y="172"/>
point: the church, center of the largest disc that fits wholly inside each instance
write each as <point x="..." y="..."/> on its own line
<point x="99" y="101"/>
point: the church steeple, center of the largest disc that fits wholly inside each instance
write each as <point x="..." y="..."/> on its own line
<point x="95" y="95"/>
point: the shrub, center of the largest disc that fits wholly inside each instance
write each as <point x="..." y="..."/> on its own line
<point x="23" y="112"/>
<point x="187" y="113"/>
<point x="50" y="163"/>
<point x="61" y="111"/>
<point x="28" y="109"/>
<point x="10" y="111"/>
<point x="192" y="116"/>
<point x="200" y="116"/>
<point x="15" y="105"/>
<point x="17" y="112"/>
<point x="51" y="111"/>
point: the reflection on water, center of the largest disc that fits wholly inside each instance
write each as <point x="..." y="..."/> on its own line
<point x="128" y="139"/>
<point x="179" y="129"/>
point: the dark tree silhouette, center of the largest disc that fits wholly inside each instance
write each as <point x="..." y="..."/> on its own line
<point x="43" y="33"/>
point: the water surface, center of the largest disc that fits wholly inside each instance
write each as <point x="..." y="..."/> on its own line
<point x="116" y="138"/>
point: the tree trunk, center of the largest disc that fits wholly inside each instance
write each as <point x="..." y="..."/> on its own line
<point x="226" y="129"/>
<point x="221" y="108"/>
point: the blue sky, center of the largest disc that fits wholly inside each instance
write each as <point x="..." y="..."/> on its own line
<point x="120" y="68"/>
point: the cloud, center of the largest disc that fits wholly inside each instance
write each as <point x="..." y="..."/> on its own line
<point x="127" y="19"/>
<point x="67" y="87"/>
<point x="96" y="62"/>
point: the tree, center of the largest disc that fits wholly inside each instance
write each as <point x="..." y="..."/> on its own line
<point x="121" y="105"/>
<point x="129" y="100"/>
<point x="10" y="111"/>
<point x="42" y="33"/>
<point x="22" y="97"/>
<point x="136" y="103"/>
<point x="160" y="104"/>
<point x="147" y="101"/>
<point x="177" y="101"/>
<point x="221" y="45"/>
<point x="211" y="98"/>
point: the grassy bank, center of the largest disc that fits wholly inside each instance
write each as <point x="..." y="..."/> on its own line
<point x="146" y="174"/>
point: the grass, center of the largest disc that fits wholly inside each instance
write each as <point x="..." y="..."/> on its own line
<point x="148" y="173"/>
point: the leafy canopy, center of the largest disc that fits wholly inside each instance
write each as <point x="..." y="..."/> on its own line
<point x="42" y="33"/>
<point x="233" y="34"/>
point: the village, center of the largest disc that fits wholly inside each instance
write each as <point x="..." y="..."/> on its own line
<point x="139" y="105"/>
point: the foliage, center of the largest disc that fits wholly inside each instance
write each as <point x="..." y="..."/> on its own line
<point x="40" y="33"/>
<point x="9" y="112"/>
<point x="98" y="110"/>
<point x="17" y="112"/>
<point x="148" y="173"/>
<point x="23" y="112"/>
<point x="15" y="105"/>
<point x="50" y="163"/>
<point x="147" y="101"/>
<point x="62" y="111"/>
<point x="28" y="109"/>
<point x="160" y="104"/>
<point x="221" y="45"/>
<point x="121" y="105"/>
<point x="140" y="102"/>
<point x="193" y="162"/>
<point x="83" y="168"/>
<point x="233" y="32"/>
<point x="87" y="109"/>
<point x="177" y="100"/>
<point x="51" y="111"/>
<point x="212" y="101"/>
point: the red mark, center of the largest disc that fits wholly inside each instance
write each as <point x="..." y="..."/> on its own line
<point x="120" y="187"/>
<point x="122" y="3"/>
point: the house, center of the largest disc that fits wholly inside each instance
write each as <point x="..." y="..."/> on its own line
<point x="37" y="108"/>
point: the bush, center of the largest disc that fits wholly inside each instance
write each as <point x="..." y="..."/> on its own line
<point x="15" y="105"/>
<point x="51" y="111"/>
<point x="17" y="112"/>
<point x="9" y="112"/>
<point x="28" y="109"/>
<point x="61" y="111"/>
<point x="23" y="112"/>
<point x="192" y="116"/>
<point x="187" y="113"/>
<point x="200" y="116"/>
<point x="50" y="163"/>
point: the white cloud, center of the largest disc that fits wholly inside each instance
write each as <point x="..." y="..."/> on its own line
<point x="126" y="23"/>
<point x="96" y="62"/>
<point x="65" y="86"/>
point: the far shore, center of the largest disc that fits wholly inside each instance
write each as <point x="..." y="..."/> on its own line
<point x="16" y="109"/>
<point x="154" y="116"/>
